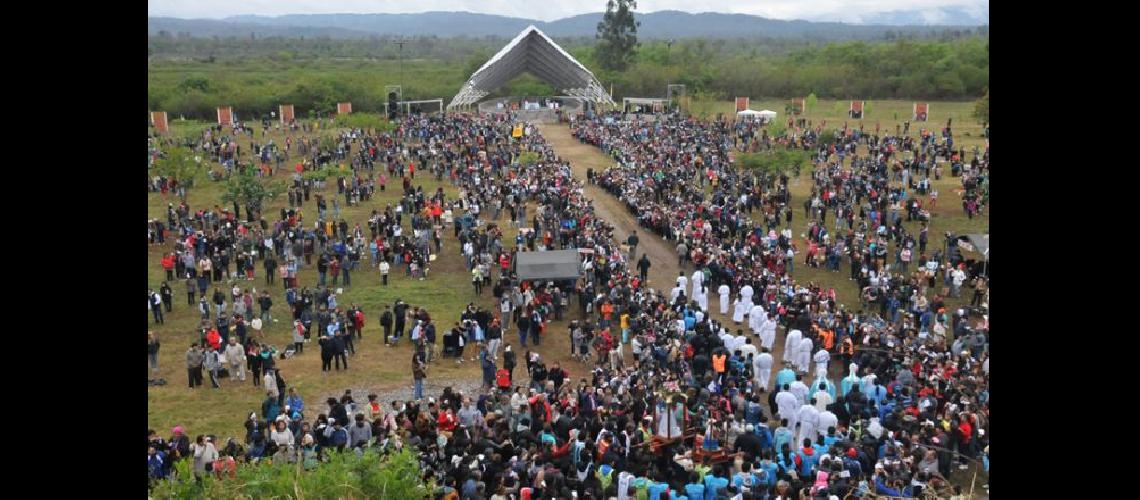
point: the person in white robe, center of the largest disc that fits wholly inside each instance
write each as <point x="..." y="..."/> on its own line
<point x="747" y="348"/>
<point x="822" y="399"/>
<point x="792" y="345"/>
<point x="725" y="339"/>
<point x="800" y="390"/>
<point x="701" y="295"/>
<point x="683" y="281"/>
<point x="787" y="406"/>
<point x="738" y="310"/>
<point x="756" y="318"/>
<point x="676" y="292"/>
<point x="808" y="417"/>
<point x="826" y="420"/>
<point x="746" y="292"/>
<point x="723" y="291"/>
<point x="803" y="359"/>
<point x="821" y="357"/>
<point x="762" y="367"/>
<point x="768" y="332"/>
<point x="738" y="341"/>
<point x="698" y="280"/>
<point x="699" y="315"/>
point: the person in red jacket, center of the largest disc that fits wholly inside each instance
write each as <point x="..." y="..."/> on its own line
<point x="168" y="266"/>
<point x="358" y="318"/>
<point x="447" y="421"/>
<point x="214" y="339"/>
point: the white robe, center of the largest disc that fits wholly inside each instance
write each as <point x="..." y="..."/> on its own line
<point x="800" y="390"/>
<point x="762" y="368"/>
<point x="698" y="280"/>
<point x="723" y="291"/>
<point x="768" y="334"/>
<point x="786" y="406"/>
<point x="755" y="318"/>
<point x="738" y="311"/>
<point x="746" y="349"/>
<point x="803" y="360"/>
<point x="822" y="399"/>
<point x="826" y="419"/>
<point x="676" y="292"/>
<point x="746" y="292"/>
<point x="821" y="358"/>
<point x="792" y="345"/>
<point x="808" y="417"/>
<point x="683" y="282"/>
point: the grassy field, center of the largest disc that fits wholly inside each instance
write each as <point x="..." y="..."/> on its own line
<point x="448" y="289"/>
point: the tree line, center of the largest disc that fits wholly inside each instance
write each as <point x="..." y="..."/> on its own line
<point x="268" y="72"/>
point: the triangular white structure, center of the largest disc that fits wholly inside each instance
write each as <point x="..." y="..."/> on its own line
<point x="536" y="53"/>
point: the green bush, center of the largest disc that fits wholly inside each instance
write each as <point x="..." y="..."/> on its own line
<point x="345" y="475"/>
<point x="366" y="121"/>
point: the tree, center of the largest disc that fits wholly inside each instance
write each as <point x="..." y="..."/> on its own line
<point x="243" y="188"/>
<point x="178" y="164"/>
<point x="618" y="35"/>
<point x="982" y="108"/>
<point x="810" y="101"/>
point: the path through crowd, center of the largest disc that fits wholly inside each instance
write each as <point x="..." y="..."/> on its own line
<point x="664" y="270"/>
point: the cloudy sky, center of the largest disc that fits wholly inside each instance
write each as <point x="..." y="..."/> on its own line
<point x="816" y="10"/>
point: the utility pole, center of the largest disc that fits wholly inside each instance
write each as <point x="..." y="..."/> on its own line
<point x="401" y="42"/>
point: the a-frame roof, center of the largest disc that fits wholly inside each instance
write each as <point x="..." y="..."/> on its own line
<point x="534" y="52"/>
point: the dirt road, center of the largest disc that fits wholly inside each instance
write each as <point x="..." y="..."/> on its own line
<point x="664" y="270"/>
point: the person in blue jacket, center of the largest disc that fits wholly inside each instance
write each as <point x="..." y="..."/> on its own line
<point x="694" y="490"/>
<point x="767" y="441"/>
<point x="785" y="376"/>
<point x="713" y="484"/>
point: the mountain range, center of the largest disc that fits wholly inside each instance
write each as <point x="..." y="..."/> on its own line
<point x="654" y="25"/>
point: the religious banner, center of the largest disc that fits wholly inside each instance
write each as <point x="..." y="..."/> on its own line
<point x="225" y="115"/>
<point x="517" y="132"/>
<point x="343" y="108"/>
<point x="856" y="110"/>
<point x="798" y="106"/>
<point x="920" y="111"/>
<point x="158" y="119"/>
<point x="741" y="104"/>
<point x="286" y="113"/>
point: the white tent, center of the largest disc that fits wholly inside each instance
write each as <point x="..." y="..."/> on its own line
<point x="765" y="115"/>
<point x="534" y="52"/>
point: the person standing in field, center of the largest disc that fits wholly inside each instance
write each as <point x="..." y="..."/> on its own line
<point x="235" y="358"/>
<point x="152" y="351"/>
<point x="419" y="373"/>
<point x="194" y="360"/>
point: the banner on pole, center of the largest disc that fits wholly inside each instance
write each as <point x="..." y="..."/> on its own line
<point x="741" y="104"/>
<point x="921" y="109"/>
<point x="225" y="115"/>
<point x="158" y="119"/>
<point x="856" y="110"/>
<point x="285" y="111"/>
<point x="343" y="108"/>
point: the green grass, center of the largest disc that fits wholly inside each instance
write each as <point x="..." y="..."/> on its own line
<point x="445" y="293"/>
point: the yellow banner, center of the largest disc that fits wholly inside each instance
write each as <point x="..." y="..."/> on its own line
<point x="517" y="132"/>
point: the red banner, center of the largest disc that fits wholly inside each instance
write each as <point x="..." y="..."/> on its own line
<point x="741" y="104"/>
<point x="856" y="110"/>
<point x="921" y="111"/>
<point x="343" y="108"/>
<point x="225" y="115"/>
<point x="286" y="113"/>
<point x="158" y="119"/>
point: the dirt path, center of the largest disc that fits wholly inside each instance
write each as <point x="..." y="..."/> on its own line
<point x="664" y="269"/>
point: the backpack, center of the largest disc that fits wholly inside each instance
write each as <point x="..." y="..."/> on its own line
<point x="339" y="437"/>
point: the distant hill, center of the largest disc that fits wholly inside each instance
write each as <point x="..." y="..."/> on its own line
<point x="654" y="25"/>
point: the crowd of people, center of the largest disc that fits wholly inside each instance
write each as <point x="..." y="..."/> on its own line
<point x="667" y="401"/>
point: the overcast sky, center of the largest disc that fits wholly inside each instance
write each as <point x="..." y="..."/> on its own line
<point x="816" y="10"/>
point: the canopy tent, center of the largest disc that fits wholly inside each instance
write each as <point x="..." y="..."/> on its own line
<point x="551" y="265"/>
<point x="534" y="52"/>
<point x="764" y="115"/>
